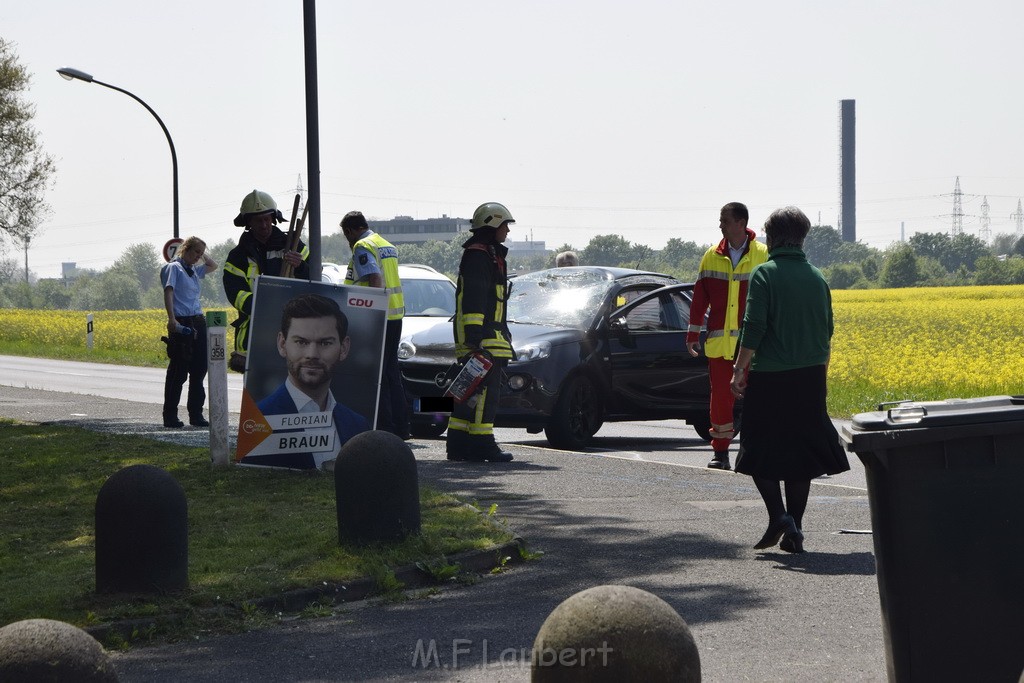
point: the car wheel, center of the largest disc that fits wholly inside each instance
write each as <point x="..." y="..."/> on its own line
<point x="577" y="415"/>
<point x="428" y="430"/>
<point x="702" y="426"/>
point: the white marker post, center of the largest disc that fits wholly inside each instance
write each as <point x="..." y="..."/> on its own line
<point x="217" y="384"/>
<point x="88" y="331"/>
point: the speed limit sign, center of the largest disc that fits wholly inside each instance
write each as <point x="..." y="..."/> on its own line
<point x="171" y="248"/>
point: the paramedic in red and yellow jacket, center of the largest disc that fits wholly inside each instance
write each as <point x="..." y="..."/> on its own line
<point x="722" y="285"/>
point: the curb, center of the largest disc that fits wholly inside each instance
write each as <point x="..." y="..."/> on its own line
<point x="294" y="601"/>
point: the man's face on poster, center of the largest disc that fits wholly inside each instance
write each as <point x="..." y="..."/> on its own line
<point x="312" y="349"/>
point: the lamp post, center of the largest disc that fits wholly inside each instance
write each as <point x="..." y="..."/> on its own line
<point x="74" y="74"/>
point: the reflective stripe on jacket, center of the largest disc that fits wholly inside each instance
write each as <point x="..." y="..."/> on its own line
<point x="387" y="259"/>
<point x="724" y="289"/>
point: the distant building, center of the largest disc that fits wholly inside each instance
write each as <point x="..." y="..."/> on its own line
<point x="526" y="248"/>
<point x="409" y="230"/>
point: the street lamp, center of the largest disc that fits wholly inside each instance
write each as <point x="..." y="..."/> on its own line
<point x="74" y="74"/>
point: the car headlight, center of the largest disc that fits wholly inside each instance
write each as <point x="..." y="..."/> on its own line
<point x="534" y="351"/>
<point x="406" y="349"/>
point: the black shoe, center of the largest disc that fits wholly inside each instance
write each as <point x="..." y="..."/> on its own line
<point x="792" y="542"/>
<point x="198" y="422"/>
<point x="498" y="455"/>
<point x="457" y="455"/>
<point x="784" y="525"/>
<point x="173" y="424"/>
<point x="720" y="461"/>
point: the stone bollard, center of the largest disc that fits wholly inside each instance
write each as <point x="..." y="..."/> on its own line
<point x="376" y="489"/>
<point x="614" y="633"/>
<point x="141" y="532"/>
<point x="44" y="650"/>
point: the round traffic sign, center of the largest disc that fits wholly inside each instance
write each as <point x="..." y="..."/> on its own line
<point x="171" y="248"/>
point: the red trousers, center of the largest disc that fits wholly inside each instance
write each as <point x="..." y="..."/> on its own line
<point x="722" y="401"/>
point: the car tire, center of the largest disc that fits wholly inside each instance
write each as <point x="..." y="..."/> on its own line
<point x="428" y="430"/>
<point x="702" y="426"/>
<point x="577" y="415"/>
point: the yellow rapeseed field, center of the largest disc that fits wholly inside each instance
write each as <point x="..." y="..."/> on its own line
<point x="925" y="343"/>
<point x="132" y="337"/>
<point x="890" y="344"/>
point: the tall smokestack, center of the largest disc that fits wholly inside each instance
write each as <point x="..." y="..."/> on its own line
<point x="847" y="171"/>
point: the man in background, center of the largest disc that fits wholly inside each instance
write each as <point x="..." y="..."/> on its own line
<point x="566" y="258"/>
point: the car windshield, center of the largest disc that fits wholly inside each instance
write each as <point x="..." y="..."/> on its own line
<point x="432" y="298"/>
<point x="563" y="297"/>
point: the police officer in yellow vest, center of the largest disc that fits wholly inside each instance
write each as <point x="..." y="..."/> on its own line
<point x="375" y="264"/>
<point x="479" y="325"/>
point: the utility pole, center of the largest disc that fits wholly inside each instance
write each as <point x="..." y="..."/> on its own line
<point x="958" y="210"/>
<point x="985" y="221"/>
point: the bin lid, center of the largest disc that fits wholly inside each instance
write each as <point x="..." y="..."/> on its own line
<point x="947" y="413"/>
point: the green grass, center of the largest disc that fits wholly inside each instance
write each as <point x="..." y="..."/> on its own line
<point x="252" y="532"/>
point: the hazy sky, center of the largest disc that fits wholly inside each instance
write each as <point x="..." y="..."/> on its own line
<point x="636" y="118"/>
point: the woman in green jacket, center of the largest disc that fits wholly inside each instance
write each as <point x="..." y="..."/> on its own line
<point x="780" y="371"/>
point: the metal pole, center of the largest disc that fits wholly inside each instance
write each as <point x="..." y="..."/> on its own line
<point x="217" y="383"/>
<point x="312" y="139"/>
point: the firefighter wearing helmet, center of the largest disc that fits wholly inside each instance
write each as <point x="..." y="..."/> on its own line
<point x="480" y="327"/>
<point x="261" y="250"/>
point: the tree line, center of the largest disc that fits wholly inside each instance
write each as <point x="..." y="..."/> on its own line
<point x="132" y="282"/>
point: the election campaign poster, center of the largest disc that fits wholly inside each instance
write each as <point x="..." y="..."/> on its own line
<point x="314" y="370"/>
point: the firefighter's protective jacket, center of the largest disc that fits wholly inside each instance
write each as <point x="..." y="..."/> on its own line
<point x="249" y="259"/>
<point x="724" y="289"/>
<point x="481" y="292"/>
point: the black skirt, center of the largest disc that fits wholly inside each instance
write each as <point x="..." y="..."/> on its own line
<point x="786" y="432"/>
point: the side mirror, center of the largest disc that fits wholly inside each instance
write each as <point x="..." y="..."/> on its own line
<point x="619" y="324"/>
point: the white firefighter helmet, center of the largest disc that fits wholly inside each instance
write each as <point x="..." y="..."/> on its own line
<point x="491" y="215"/>
<point x="255" y="203"/>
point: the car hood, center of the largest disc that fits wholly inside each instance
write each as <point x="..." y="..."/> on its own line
<point x="435" y="345"/>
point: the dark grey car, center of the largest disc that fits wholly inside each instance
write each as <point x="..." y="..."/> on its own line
<point x="593" y="345"/>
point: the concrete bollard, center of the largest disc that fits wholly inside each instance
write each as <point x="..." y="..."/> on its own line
<point x="141" y="532"/>
<point x="47" y="651"/>
<point x="376" y="489"/>
<point x="614" y="633"/>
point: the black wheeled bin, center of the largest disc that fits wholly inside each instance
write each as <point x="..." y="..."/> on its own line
<point x="946" y="491"/>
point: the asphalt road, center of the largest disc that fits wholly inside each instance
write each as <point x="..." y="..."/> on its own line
<point x="638" y="509"/>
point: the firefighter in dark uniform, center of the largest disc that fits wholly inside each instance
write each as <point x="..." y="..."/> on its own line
<point x="261" y="251"/>
<point x="479" y="325"/>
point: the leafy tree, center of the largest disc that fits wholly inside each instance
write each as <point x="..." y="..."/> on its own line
<point x="1018" y="247"/>
<point x="1003" y="243"/>
<point x="142" y="263"/>
<point x="25" y="170"/>
<point x="116" y="291"/>
<point x="900" y="268"/>
<point x="680" y="253"/>
<point x="993" y="271"/>
<point x="612" y="250"/>
<point x="869" y="267"/>
<point x="950" y="252"/>
<point x="9" y="268"/>
<point x="52" y="294"/>
<point x="822" y="245"/>
<point x="842" y="275"/>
